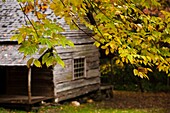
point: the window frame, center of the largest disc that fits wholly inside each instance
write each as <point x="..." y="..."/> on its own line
<point x="84" y="72"/>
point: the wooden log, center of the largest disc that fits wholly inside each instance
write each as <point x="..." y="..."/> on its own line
<point x="57" y="70"/>
<point x="71" y="55"/>
<point x="75" y="49"/>
<point x="77" y="92"/>
<point x="75" y="84"/>
<point x="92" y="65"/>
<point x="93" y="73"/>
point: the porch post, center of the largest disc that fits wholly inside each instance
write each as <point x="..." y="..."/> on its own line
<point x="29" y="85"/>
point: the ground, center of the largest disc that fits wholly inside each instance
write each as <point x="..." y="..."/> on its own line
<point x="122" y="102"/>
<point x="137" y="100"/>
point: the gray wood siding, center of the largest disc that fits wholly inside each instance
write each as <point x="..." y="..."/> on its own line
<point x="65" y="86"/>
<point x="89" y="52"/>
<point x="76" y="88"/>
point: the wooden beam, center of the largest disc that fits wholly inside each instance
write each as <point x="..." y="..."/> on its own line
<point x="29" y="85"/>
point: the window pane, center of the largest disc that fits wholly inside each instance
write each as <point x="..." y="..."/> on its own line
<point x="79" y="67"/>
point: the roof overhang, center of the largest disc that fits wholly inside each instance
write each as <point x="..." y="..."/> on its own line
<point x="10" y="56"/>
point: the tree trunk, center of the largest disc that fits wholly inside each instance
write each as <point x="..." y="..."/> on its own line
<point x="29" y="85"/>
<point x="168" y="80"/>
<point x="140" y="85"/>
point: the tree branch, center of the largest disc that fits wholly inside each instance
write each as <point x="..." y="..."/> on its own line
<point x="29" y="20"/>
<point x="78" y="25"/>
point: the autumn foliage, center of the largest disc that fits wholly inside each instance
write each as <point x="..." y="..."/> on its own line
<point x="132" y="31"/>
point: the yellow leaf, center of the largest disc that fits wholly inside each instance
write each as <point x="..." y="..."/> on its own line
<point x="150" y="28"/>
<point x="103" y="47"/>
<point x="149" y="58"/>
<point x="144" y="58"/>
<point x="112" y="50"/>
<point x="135" y="71"/>
<point x="149" y="69"/>
<point x="140" y="74"/>
<point x="117" y="61"/>
<point x="40" y="15"/>
<point x="107" y="51"/>
<point x="97" y="44"/>
<point x="123" y="59"/>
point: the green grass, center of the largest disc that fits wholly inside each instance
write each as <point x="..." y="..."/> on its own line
<point x="84" y="108"/>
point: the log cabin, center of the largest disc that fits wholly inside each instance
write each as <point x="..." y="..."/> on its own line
<point x="80" y="75"/>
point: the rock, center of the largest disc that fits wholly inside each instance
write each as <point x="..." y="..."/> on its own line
<point x="90" y="101"/>
<point x="75" y="103"/>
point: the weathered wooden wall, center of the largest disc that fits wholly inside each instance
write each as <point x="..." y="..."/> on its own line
<point x="65" y="86"/>
<point x="76" y="88"/>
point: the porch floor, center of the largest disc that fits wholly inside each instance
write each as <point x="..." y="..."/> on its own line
<point x="21" y="99"/>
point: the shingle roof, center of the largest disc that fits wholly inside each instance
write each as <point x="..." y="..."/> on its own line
<point x="11" y="18"/>
<point x="9" y="56"/>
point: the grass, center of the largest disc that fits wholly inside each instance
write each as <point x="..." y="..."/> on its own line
<point x="122" y="102"/>
<point x="83" y="108"/>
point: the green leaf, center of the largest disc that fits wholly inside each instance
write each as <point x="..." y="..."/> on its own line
<point x="59" y="61"/>
<point x="37" y="63"/>
<point x="50" y="61"/>
<point x="169" y="75"/>
<point x="70" y="43"/>
<point x="45" y="58"/>
<point x="29" y="62"/>
<point x="42" y="50"/>
<point x="14" y="37"/>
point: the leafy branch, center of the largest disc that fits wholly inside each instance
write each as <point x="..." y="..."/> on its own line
<point x="28" y="19"/>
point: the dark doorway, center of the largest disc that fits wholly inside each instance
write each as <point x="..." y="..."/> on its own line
<point x="2" y="80"/>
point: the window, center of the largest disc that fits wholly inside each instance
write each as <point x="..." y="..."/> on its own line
<point x="79" y="68"/>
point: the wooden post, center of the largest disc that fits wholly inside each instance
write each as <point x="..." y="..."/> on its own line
<point x="29" y="85"/>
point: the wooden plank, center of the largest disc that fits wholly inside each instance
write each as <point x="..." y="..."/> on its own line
<point x="76" y="48"/>
<point x="75" y="84"/>
<point x="63" y="77"/>
<point x="93" y="73"/>
<point x="81" y="40"/>
<point x="86" y="53"/>
<point x="78" y="35"/>
<point x="92" y="65"/>
<point x="21" y="99"/>
<point x="76" y="92"/>
<point x="59" y="70"/>
<point x="66" y="74"/>
<point x="63" y="74"/>
<point x="93" y="58"/>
